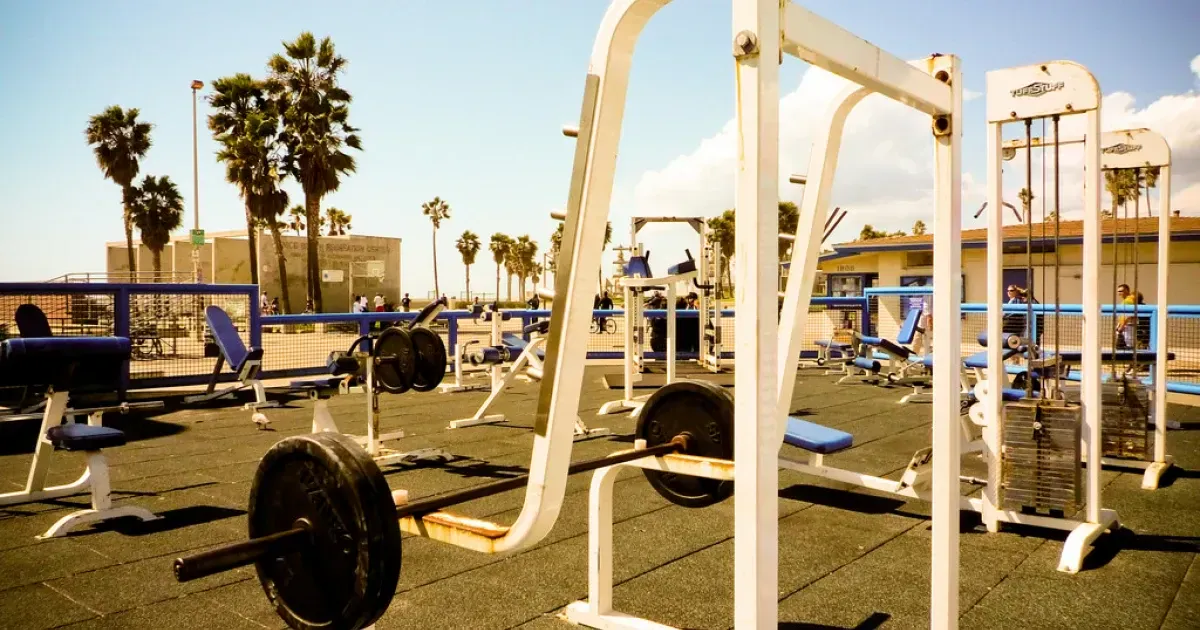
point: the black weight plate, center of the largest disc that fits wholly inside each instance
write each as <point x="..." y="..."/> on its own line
<point x="705" y="412"/>
<point x="396" y="363"/>
<point x="347" y="578"/>
<point x="431" y="358"/>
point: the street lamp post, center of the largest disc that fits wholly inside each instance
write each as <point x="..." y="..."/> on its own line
<point x="196" y="85"/>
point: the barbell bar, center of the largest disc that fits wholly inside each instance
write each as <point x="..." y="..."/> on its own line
<point x="244" y="553"/>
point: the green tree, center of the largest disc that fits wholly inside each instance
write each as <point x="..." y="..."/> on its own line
<point x="245" y="127"/>
<point x="119" y="142"/>
<point x="468" y="246"/>
<point x="157" y="209"/>
<point x="499" y="245"/>
<point x="339" y="221"/>
<point x="437" y="210"/>
<point x="315" y="115"/>
<point x="868" y="232"/>
<point x="296" y="222"/>
<point x="918" y="228"/>
<point x="722" y="230"/>
<point x="270" y="206"/>
<point x="525" y="251"/>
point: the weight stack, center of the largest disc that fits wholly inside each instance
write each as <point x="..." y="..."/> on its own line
<point x="1125" y="426"/>
<point x="1040" y="456"/>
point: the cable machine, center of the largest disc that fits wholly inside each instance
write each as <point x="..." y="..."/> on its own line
<point x="1035" y="439"/>
<point x="1133" y="437"/>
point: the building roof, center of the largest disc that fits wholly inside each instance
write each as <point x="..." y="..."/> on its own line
<point x="1068" y="231"/>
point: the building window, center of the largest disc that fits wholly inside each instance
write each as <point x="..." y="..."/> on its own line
<point x="918" y="259"/>
<point x="845" y="285"/>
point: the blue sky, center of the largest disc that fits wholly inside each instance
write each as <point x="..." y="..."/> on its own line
<point x="464" y="99"/>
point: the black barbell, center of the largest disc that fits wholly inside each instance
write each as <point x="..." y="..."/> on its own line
<point x="324" y="530"/>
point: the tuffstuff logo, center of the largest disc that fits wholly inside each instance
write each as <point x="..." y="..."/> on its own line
<point x="1038" y="88"/>
<point x="1122" y="149"/>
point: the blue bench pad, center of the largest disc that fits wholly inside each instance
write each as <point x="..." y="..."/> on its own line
<point x="83" y="437"/>
<point x="816" y="438"/>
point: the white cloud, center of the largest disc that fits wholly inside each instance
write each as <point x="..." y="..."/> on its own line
<point x="885" y="173"/>
<point x="970" y="95"/>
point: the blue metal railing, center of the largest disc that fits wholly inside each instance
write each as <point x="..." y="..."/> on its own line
<point x="124" y="302"/>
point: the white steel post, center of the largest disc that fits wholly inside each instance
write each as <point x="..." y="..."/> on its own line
<point x="993" y="402"/>
<point x="1162" y="303"/>
<point x="1091" y="367"/>
<point x="947" y="340"/>
<point x="757" y="49"/>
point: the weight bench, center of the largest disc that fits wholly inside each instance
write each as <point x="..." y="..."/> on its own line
<point x="903" y="364"/>
<point x="244" y="362"/>
<point x="819" y="441"/>
<point x="527" y="363"/>
<point x="61" y="365"/>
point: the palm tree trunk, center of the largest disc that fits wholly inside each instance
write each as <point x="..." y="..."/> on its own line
<point x="281" y="264"/>
<point x="126" y="196"/>
<point x="156" y="256"/>
<point x="508" y="289"/>
<point x="468" y="283"/>
<point x="252" y="240"/>
<point x="312" y="207"/>
<point x="437" y="292"/>
<point x="497" y="282"/>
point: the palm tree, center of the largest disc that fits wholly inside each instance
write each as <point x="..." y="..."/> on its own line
<point x="298" y="215"/>
<point x="271" y="206"/>
<point x="245" y="125"/>
<point x="468" y="245"/>
<point x="525" y="251"/>
<point x="339" y="221"/>
<point x="499" y="245"/>
<point x="436" y="210"/>
<point x="315" y="113"/>
<point x="157" y="209"/>
<point x="120" y="142"/>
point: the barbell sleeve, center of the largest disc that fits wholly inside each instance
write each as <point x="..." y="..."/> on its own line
<point x="240" y="554"/>
<point x="570" y="131"/>
<point x="558" y="216"/>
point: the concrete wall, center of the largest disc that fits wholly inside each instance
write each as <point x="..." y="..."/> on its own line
<point x="230" y="257"/>
<point x="336" y="253"/>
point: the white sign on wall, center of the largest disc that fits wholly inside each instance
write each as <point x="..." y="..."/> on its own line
<point x="332" y="275"/>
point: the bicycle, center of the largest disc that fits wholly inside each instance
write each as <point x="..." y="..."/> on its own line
<point x="610" y="326"/>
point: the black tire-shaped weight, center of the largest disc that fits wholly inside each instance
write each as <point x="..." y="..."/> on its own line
<point x="348" y="576"/>
<point x="430" y="358"/>
<point x="395" y="360"/>
<point x="704" y="411"/>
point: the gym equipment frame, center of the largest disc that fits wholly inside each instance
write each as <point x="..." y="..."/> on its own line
<point x="1021" y="94"/>
<point x="1139" y="149"/>
<point x="760" y="416"/>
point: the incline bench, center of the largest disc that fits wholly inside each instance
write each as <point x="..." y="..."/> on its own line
<point x="244" y="362"/>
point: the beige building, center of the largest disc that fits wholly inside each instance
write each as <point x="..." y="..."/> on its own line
<point x="908" y="260"/>
<point x="225" y="259"/>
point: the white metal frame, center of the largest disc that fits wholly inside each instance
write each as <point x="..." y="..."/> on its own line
<point x="373" y="440"/>
<point x="495" y="372"/>
<point x="759" y="415"/>
<point x="1059" y="88"/>
<point x="1130" y="149"/>
<point x="527" y="365"/>
<point x="763" y="30"/>
<point x="94" y="478"/>
<point x="633" y="361"/>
